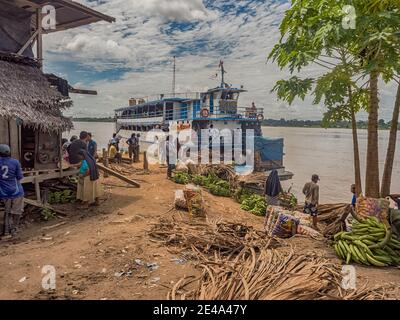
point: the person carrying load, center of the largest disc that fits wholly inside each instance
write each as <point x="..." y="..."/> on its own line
<point x="311" y="192"/>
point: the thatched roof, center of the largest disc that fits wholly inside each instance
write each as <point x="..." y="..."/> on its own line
<point x="26" y="94"/>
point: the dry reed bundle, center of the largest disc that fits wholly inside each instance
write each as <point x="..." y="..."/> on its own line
<point x="328" y="213"/>
<point x="334" y="228"/>
<point x="207" y="237"/>
<point x="270" y="275"/>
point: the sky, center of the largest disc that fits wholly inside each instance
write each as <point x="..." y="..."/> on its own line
<point x="133" y="56"/>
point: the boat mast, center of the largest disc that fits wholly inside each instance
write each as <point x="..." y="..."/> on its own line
<point x="174" y="78"/>
<point x="221" y="65"/>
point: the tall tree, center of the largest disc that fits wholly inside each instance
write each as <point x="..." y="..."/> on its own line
<point x="391" y="149"/>
<point x="312" y="32"/>
<point x="372" y="174"/>
<point x="378" y="28"/>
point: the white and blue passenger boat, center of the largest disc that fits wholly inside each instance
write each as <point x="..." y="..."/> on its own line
<point x="216" y="108"/>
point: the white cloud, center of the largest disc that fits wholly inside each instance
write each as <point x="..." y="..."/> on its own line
<point x="182" y="10"/>
<point x="99" y="47"/>
<point x="142" y="40"/>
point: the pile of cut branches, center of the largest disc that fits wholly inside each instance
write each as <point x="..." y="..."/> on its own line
<point x="269" y="275"/>
<point x="208" y="236"/>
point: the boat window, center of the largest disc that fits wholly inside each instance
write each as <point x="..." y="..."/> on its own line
<point x="159" y="109"/>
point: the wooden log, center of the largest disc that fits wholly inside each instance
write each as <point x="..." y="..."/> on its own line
<point x="117" y="175"/>
<point x="145" y="162"/>
<point x="54" y="226"/>
<point x="44" y="206"/>
<point x="105" y="161"/>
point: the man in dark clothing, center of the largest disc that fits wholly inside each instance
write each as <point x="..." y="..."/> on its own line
<point x="131" y="142"/>
<point x="77" y="146"/>
<point x="92" y="146"/>
<point x="11" y="191"/>
<point x="171" y="150"/>
<point x="137" y="148"/>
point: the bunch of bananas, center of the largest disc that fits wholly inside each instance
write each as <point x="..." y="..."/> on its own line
<point x="371" y="243"/>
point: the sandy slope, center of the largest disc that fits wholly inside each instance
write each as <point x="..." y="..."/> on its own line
<point x="91" y="250"/>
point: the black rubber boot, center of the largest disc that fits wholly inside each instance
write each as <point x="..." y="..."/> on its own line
<point x="14" y="226"/>
<point x="6" y="224"/>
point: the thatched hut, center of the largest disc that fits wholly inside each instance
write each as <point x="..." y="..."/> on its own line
<point x="32" y="103"/>
<point x="31" y="119"/>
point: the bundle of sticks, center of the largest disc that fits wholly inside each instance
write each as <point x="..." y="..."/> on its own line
<point x="209" y="236"/>
<point x="269" y="275"/>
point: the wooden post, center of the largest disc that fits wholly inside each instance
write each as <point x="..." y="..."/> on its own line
<point x="37" y="190"/>
<point x="145" y="161"/>
<point x="39" y="42"/>
<point x="105" y="161"/>
<point x="60" y="153"/>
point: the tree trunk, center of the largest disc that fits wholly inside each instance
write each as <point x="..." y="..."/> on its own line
<point x="356" y="150"/>
<point x="387" y="173"/>
<point x="357" y="168"/>
<point x="372" y="172"/>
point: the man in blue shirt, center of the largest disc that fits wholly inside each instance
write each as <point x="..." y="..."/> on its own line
<point x="11" y="191"/>
<point x="354" y="198"/>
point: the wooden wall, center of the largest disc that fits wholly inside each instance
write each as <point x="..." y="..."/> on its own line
<point x="10" y="133"/>
<point x="4" y="133"/>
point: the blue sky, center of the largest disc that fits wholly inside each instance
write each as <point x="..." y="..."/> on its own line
<point x="133" y="56"/>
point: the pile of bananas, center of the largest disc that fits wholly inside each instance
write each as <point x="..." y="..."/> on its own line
<point x="371" y="243"/>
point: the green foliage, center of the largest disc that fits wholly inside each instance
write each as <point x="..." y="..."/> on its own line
<point x="58" y="197"/>
<point x="242" y="193"/>
<point x="200" y="180"/>
<point x="312" y="33"/>
<point x="219" y="190"/>
<point x="288" y="90"/>
<point x="255" y="204"/>
<point x="181" y="178"/>
<point x="47" y="214"/>
<point x="215" y="185"/>
<point x="334" y="122"/>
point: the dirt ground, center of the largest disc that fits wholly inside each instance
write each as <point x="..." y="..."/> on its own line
<point x="96" y="252"/>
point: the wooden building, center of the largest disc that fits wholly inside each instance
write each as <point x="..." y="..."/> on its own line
<point x="31" y="103"/>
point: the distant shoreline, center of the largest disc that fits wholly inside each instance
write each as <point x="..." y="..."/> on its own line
<point x="280" y="123"/>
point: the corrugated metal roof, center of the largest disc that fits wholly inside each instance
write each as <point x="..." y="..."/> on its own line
<point x="70" y="14"/>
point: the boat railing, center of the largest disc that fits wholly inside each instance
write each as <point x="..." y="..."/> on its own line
<point x="250" y="112"/>
<point x="181" y="95"/>
<point x="186" y="113"/>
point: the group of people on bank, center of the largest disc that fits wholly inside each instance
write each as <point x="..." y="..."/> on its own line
<point x="81" y="152"/>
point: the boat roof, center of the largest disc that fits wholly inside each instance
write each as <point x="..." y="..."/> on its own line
<point x="226" y="89"/>
<point x="153" y="102"/>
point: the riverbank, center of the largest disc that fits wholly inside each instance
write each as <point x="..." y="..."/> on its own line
<point x="282" y="123"/>
<point x="107" y="253"/>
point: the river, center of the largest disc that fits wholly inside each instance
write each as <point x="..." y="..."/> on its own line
<point x="327" y="152"/>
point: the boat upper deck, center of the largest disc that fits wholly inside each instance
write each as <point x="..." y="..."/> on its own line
<point x="217" y="104"/>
